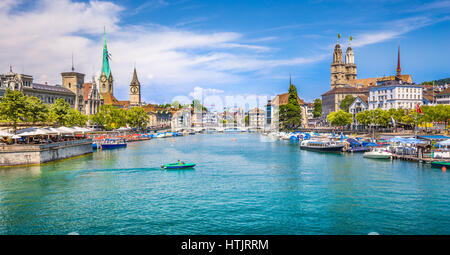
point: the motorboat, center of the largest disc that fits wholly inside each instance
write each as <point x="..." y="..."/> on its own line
<point x="440" y="164"/>
<point x="324" y="146"/>
<point x="179" y="165"/>
<point x="378" y="153"/>
<point x="112" y="143"/>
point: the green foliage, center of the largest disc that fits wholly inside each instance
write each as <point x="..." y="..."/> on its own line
<point x="246" y="120"/>
<point x="197" y="105"/>
<point x="437" y="82"/>
<point x="438" y="113"/>
<point x="137" y="118"/>
<point x="290" y="114"/>
<point x="340" y="118"/>
<point x="346" y="102"/>
<point x="110" y="117"/>
<point x="13" y="107"/>
<point x="62" y="113"/>
<point x="317" y="112"/>
<point x="36" y="110"/>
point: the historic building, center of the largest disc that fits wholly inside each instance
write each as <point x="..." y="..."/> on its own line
<point x="83" y="97"/>
<point x="395" y="94"/>
<point x="273" y="106"/>
<point x="91" y="98"/>
<point x="344" y="82"/>
<point x="333" y="98"/>
<point x="106" y="81"/>
<point x="47" y="93"/>
<point x="342" y="73"/>
<point x="135" y="90"/>
<point x="74" y="82"/>
<point x="257" y="118"/>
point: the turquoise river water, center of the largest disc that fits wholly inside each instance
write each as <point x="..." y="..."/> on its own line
<point x="247" y="186"/>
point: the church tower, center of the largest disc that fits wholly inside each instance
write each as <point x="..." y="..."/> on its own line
<point x="338" y="70"/>
<point x="74" y="81"/>
<point x="350" y="65"/>
<point x="135" y="90"/>
<point x="399" y="69"/>
<point x="106" y="79"/>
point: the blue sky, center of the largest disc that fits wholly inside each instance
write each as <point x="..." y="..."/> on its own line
<point x="226" y="47"/>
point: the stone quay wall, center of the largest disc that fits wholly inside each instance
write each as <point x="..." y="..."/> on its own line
<point x="29" y="154"/>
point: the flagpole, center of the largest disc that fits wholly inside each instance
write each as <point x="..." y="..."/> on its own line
<point x="415" y="126"/>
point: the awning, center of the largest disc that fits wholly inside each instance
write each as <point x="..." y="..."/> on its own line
<point x="33" y="131"/>
<point x="3" y="134"/>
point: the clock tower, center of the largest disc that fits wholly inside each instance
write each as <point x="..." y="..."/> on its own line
<point x="106" y="79"/>
<point x="135" y="90"/>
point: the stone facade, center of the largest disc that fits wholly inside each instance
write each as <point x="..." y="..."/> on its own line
<point x="30" y="154"/>
<point x="342" y="73"/>
<point x="47" y="93"/>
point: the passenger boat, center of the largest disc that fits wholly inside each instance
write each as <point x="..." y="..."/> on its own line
<point x="378" y="153"/>
<point x="440" y="164"/>
<point x="112" y="143"/>
<point x="179" y="165"/>
<point x="325" y="146"/>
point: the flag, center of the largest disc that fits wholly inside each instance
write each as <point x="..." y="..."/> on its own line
<point x="339" y="36"/>
<point x="351" y="38"/>
<point x="419" y="111"/>
<point x="392" y="121"/>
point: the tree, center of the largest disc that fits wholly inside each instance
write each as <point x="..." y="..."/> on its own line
<point x="110" y="117"/>
<point x="346" y="102"/>
<point x="36" y="110"/>
<point x="137" y="118"/>
<point x="317" y="112"/>
<point x="365" y="117"/>
<point x="76" y="118"/>
<point x="382" y="117"/>
<point x="13" y="107"/>
<point x="290" y="114"/>
<point x="59" y="112"/>
<point x="340" y="118"/>
<point x="62" y="113"/>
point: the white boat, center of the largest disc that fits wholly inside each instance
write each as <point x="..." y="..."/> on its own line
<point x="322" y="145"/>
<point x="160" y="135"/>
<point x="378" y="153"/>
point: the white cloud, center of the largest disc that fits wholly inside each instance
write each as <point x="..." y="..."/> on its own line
<point x="41" y="40"/>
<point x="395" y="29"/>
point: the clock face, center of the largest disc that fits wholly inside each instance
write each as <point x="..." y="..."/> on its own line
<point x="103" y="79"/>
<point x="134" y="90"/>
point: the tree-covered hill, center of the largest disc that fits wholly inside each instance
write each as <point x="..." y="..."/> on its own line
<point x="438" y="82"/>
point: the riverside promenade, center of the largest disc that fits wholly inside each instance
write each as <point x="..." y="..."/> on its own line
<point x="31" y="154"/>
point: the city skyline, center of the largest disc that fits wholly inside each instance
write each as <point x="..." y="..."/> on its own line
<point x="180" y="47"/>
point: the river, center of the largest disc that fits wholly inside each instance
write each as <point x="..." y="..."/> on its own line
<point x="246" y="185"/>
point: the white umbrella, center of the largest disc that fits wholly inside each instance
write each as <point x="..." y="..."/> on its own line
<point x="66" y="130"/>
<point x="33" y="131"/>
<point x="52" y="131"/>
<point x="3" y="133"/>
<point x="15" y="137"/>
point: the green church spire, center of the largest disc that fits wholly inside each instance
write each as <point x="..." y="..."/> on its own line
<point x="105" y="66"/>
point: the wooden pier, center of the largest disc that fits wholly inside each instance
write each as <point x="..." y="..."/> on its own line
<point x="417" y="159"/>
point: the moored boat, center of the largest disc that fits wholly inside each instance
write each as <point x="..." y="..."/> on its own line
<point x="378" y="153"/>
<point x="112" y="143"/>
<point x="324" y="146"/>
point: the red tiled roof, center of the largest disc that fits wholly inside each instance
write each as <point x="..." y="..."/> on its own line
<point x="283" y="99"/>
<point x="347" y="90"/>
<point x="87" y="90"/>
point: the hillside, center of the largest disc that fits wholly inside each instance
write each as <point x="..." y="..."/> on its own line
<point x="438" y="82"/>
